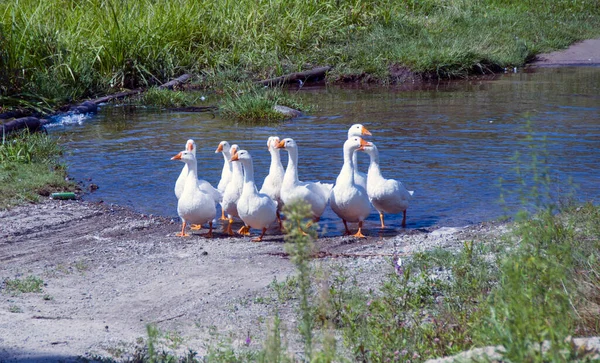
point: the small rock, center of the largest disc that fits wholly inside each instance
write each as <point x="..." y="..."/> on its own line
<point x="287" y="111"/>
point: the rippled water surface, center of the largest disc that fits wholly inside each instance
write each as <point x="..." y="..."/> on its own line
<point x="450" y="143"/>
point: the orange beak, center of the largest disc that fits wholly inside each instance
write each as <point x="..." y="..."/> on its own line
<point x="364" y="131"/>
<point x="235" y="157"/>
<point x="176" y="157"/>
<point x="281" y="144"/>
<point x="219" y="149"/>
<point x="364" y="143"/>
<point x="190" y="146"/>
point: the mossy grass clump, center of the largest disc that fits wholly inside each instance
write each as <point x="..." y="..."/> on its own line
<point x="165" y="98"/>
<point x="256" y="105"/>
<point x="30" y="168"/>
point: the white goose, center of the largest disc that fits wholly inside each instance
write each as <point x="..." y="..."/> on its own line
<point x="232" y="193"/>
<point x="387" y="195"/>
<point x="272" y="184"/>
<point x="257" y="210"/>
<point x="292" y="189"/>
<point x="350" y="200"/>
<point x="225" y="149"/>
<point x="190" y="146"/>
<point x="359" y="130"/>
<point x="194" y="206"/>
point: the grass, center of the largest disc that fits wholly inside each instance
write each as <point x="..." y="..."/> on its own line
<point x="29" y="168"/>
<point x="253" y="104"/>
<point x="29" y="284"/>
<point x="165" y="98"/>
<point x="48" y="58"/>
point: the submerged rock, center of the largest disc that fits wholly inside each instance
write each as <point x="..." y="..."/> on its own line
<point x="84" y="107"/>
<point x="287" y="111"/>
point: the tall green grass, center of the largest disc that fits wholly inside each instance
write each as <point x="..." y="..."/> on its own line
<point x="52" y="51"/>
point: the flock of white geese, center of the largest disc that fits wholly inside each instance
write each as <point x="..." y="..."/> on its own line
<point x="350" y="197"/>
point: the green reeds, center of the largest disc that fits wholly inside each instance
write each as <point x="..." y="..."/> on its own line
<point x="58" y="50"/>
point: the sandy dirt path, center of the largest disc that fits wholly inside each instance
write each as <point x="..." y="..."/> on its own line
<point x="586" y="53"/>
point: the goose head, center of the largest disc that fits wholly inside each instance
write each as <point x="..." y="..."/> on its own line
<point x="234" y="149"/>
<point x="190" y="145"/>
<point x="272" y="143"/>
<point x="241" y="155"/>
<point x="223" y="147"/>
<point x="287" y="144"/>
<point x="358" y="130"/>
<point x="371" y="150"/>
<point x="185" y="156"/>
<point x="356" y="143"/>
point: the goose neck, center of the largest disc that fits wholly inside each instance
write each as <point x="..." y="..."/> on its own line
<point x="291" y="172"/>
<point x="237" y="172"/>
<point x="347" y="173"/>
<point x="276" y="166"/>
<point x="374" y="170"/>
<point x="248" y="174"/>
<point x="191" y="180"/>
<point x="355" y="160"/>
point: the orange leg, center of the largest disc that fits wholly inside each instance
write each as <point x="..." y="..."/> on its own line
<point x="404" y="219"/>
<point x="381" y="218"/>
<point x="359" y="233"/>
<point x="223" y="218"/>
<point x="347" y="232"/>
<point x="210" y="233"/>
<point x="228" y="230"/>
<point x="245" y="231"/>
<point x="182" y="233"/>
<point x="258" y="239"/>
<point x="196" y="227"/>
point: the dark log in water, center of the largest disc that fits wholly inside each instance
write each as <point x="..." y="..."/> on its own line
<point x="302" y="76"/>
<point x="176" y="82"/>
<point x="14" y="114"/>
<point x="84" y="107"/>
<point x="33" y="124"/>
<point x="194" y="109"/>
<point x="117" y="96"/>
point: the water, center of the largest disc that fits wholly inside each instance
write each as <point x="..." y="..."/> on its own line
<point x="450" y="143"/>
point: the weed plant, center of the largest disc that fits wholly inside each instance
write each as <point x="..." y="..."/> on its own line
<point x="27" y="285"/>
<point x="299" y="244"/>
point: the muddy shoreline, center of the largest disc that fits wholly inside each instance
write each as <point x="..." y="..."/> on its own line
<point x="108" y="272"/>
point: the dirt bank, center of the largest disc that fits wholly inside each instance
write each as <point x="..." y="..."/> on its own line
<point x="108" y="272"/>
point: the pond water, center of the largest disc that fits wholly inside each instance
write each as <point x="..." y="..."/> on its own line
<point x="449" y="142"/>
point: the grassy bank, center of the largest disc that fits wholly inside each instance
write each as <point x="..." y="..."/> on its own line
<point x="53" y="51"/>
<point x="29" y="168"/>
